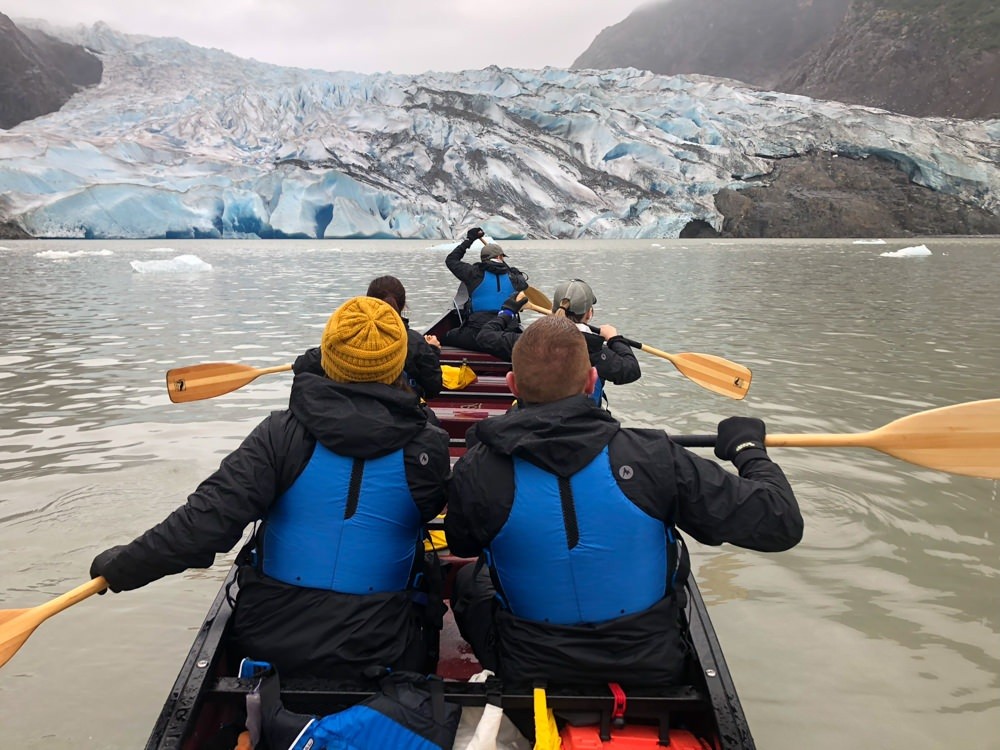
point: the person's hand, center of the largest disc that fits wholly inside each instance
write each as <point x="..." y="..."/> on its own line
<point x="103" y="565"/>
<point x="737" y="434"/>
<point x="608" y="332"/>
<point x="432" y="340"/>
<point x="474" y="234"/>
<point x="514" y="304"/>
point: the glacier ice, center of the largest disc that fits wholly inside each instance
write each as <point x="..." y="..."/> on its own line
<point x="180" y="264"/>
<point x="183" y="142"/>
<point x="917" y="251"/>
<point x="67" y="254"/>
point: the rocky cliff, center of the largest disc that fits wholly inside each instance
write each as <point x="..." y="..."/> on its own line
<point x="824" y="195"/>
<point x="920" y="58"/>
<point x="916" y="57"/>
<point x="38" y="73"/>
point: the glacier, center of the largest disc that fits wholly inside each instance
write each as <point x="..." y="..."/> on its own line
<point x="179" y="141"/>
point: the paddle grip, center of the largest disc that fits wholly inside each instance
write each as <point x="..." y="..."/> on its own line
<point x="694" y="441"/>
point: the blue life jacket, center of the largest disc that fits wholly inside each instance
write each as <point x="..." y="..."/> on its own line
<point x="578" y="550"/>
<point x="598" y="391"/>
<point x="359" y="728"/>
<point x="345" y="524"/>
<point x="408" y="712"/>
<point x="491" y="292"/>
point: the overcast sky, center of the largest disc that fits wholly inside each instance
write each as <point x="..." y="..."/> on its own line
<point x="402" y="36"/>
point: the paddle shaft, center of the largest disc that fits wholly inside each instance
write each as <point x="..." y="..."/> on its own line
<point x="789" y="440"/>
<point x="803" y="440"/>
<point x="713" y="373"/>
<point x="596" y="329"/>
<point x="959" y="439"/>
<point x="644" y="347"/>
<point x="220" y="379"/>
<point x="74" y="596"/>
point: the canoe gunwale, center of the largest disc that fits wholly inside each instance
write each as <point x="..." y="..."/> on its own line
<point x="174" y="724"/>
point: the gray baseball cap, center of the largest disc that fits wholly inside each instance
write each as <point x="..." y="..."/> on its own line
<point x="579" y="295"/>
<point x="491" y="251"/>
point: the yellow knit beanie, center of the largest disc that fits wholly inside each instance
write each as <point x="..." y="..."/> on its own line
<point x="364" y="342"/>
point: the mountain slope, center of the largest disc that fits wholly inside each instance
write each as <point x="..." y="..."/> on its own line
<point x="917" y="57"/>
<point x="746" y="41"/>
<point x="924" y="59"/>
<point x="38" y="73"/>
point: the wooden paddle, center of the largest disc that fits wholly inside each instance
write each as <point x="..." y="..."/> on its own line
<point x="714" y="373"/>
<point x="538" y="299"/>
<point x="707" y="370"/>
<point x="17" y="624"/>
<point x="960" y="439"/>
<point x="197" y="382"/>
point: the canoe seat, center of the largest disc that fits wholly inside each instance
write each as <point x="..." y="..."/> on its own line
<point x="317" y="696"/>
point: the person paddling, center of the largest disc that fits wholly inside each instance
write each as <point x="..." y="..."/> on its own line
<point x="422" y="369"/>
<point x="574" y="299"/>
<point x="343" y="481"/>
<point x="578" y="520"/>
<point x="483" y="288"/>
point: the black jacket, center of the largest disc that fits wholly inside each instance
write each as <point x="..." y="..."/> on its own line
<point x="472" y="274"/>
<point x="756" y="510"/>
<point x="614" y="359"/>
<point x="422" y="366"/>
<point x="302" y="631"/>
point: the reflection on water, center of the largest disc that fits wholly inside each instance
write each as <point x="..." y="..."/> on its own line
<point x="884" y="622"/>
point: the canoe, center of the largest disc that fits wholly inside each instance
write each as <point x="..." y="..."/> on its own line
<point x="204" y="706"/>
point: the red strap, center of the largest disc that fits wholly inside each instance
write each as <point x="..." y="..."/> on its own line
<point x="618" y="712"/>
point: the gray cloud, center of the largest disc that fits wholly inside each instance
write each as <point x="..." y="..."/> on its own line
<point x="404" y="36"/>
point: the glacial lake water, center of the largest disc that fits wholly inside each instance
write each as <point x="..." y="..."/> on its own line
<point x="881" y="629"/>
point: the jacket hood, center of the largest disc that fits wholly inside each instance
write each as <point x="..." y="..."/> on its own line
<point x="498" y="268"/>
<point x="361" y="420"/>
<point x="561" y="437"/>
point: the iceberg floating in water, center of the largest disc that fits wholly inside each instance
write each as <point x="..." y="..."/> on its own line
<point x="455" y="243"/>
<point x="908" y="252"/>
<point x="180" y="264"/>
<point x="64" y="254"/>
<point x="868" y="242"/>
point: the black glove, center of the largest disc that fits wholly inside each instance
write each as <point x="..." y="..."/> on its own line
<point x="474" y="234"/>
<point x="513" y="305"/>
<point x="739" y="434"/>
<point x="104" y="565"/>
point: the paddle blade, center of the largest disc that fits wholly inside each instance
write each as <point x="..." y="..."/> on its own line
<point x="537" y="297"/>
<point x="961" y="439"/>
<point x="13" y="634"/>
<point x="529" y="305"/>
<point x="212" y="379"/>
<point x="716" y="374"/>
<point x="17" y="624"/>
